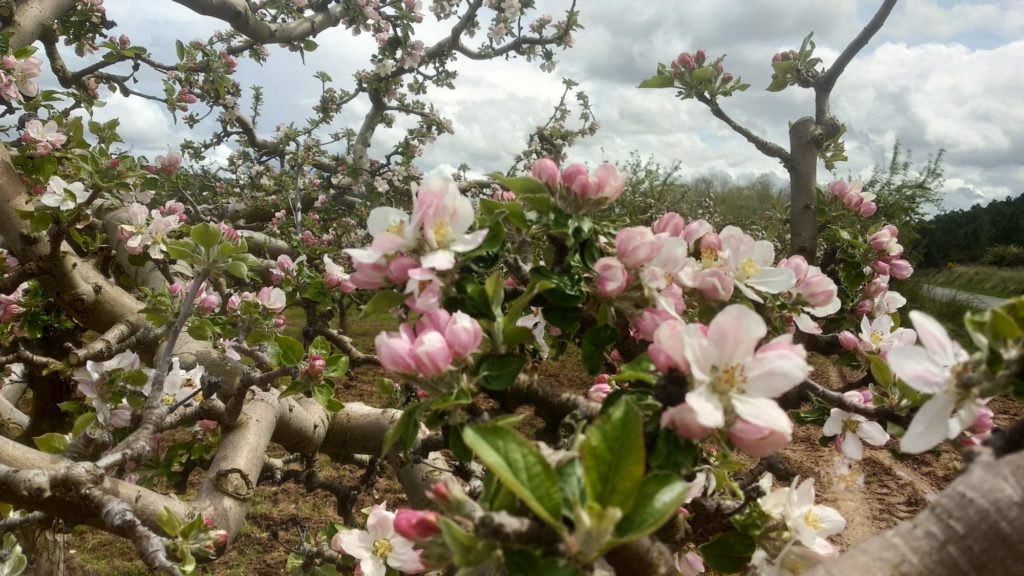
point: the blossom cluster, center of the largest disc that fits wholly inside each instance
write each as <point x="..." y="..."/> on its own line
<point x="17" y="78"/>
<point x="853" y="197"/>
<point x="878" y="299"/>
<point x="438" y="340"/>
<point x="413" y="249"/>
<point x="146" y="229"/>
<point x="44" y="138"/>
<point x="802" y="542"/>
<point x="575" y="189"/>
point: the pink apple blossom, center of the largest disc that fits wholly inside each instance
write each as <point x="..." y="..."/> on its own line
<point x="546" y="171"/>
<point x="758" y="441"/>
<point x="463" y="335"/>
<point x="416" y="525"/>
<point x="682" y="419"/>
<point x="670" y="223"/>
<point x="635" y="246"/>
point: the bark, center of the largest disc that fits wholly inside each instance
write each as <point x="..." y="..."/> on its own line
<point x="238" y="15"/>
<point x="803" y="224"/>
<point x="973" y="527"/>
<point x="12" y="421"/>
<point x="31" y="17"/>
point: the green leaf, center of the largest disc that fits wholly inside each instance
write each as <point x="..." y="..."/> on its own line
<point x="524" y="186"/>
<point x="595" y="342"/>
<point x="639" y="369"/>
<point x="529" y="563"/>
<point x="728" y="553"/>
<point x="657" y="499"/>
<point x="82" y="422"/>
<point x="294" y="387"/>
<point x="703" y="74"/>
<point x="880" y="371"/>
<point x="520" y="467"/>
<point x="498" y="372"/>
<point x="285" y="351"/>
<point x="658" y="81"/>
<point x="320" y="346"/>
<point x="613" y="456"/>
<point x="405" y="429"/>
<point x="52" y="443"/>
<point x="323" y="393"/>
<point x="382" y="303"/>
<point x="206" y="235"/>
<point x="168" y="522"/>
<point x="778" y="84"/>
<point x="238" y="269"/>
<point x="495" y="288"/>
<point x="337" y="366"/>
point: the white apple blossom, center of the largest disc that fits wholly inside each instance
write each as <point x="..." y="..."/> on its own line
<point x="59" y="194"/>
<point x="879" y="336"/>
<point x="379" y="547"/>
<point x="932" y="368"/>
<point x="850" y="429"/>
<point x="807" y="523"/>
<point x="753" y="264"/>
<point x="444" y="216"/>
<point x="730" y="377"/>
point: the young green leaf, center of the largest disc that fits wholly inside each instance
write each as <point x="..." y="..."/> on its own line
<point x="613" y="456"/>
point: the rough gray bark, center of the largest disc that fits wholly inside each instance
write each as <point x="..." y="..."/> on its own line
<point x="803" y="167"/>
<point x="32" y="16"/>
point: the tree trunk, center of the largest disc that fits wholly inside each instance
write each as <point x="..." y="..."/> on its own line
<point x="803" y="224"/>
<point x="973" y="527"/>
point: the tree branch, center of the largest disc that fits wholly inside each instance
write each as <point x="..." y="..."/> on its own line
<point x="763" y="146"/>
<point x="237" y="14"/>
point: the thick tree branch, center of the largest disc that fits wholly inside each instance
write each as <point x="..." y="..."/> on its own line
<point x="763" y="146"/>
<point x="32" y="17"/>
<point x="236" y="13"/>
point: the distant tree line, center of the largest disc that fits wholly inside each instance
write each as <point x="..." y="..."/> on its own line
<point x="990" y="234"/>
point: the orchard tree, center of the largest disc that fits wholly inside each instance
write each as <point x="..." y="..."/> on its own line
<point x="143" y="300"/>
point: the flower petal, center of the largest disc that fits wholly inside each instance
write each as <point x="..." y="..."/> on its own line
<point x="915" y="366"/>
<point x="772" y="280"/>
<point x="872" y="433"/>
<point x="772" y="373"/>
<point x="735" y="332"/>
<point x="761" y="411"/>
<point x="356" y="543"/>
<point x="852" y="446"/>
<point x="930" y="425"/>
<point x="438" y="260"/>
<point x="834" y="425"/>
<point x="469" y="241"/>
<point x="707" y="407"/>
<point x="936" y="340"/>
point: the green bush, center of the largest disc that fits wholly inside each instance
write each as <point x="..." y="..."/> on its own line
<point x="1003" y="255"/>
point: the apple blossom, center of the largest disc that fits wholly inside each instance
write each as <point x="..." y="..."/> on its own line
<point x="729" y="375"/>
<point x="752" y="264"/>
<point x="272" y="298"/>
<point x="669" y="223"/>
<point x="807" y="523"/>
<point x="444" y="215"/>
<point x="600" y="389"/>
<point x="689" y="564"/>
<point x="379" y="546"/>
<point x="424" y="290"/>
<point x="851" y="429"/>
<point x="431" y="353"/>
<point x="847" y="340"/>
<point x="612" y="277"/>
<point x="880" y="335"/>
<point x="336" y="277"/>
<point x="650" y="319"/>
<point x="45" y="137"/>
<point x="59" y="194"/>
<point x="932" y="368"/>
<point x="900" y="269"/>
<point x="635" y="246"/>
<point x="395" y="350"/>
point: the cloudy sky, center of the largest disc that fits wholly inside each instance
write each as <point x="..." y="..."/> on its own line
<point x="942" y="74"/>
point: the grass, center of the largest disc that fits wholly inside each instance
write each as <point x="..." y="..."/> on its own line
<point x="947" y="309"/>
<point x="987" y="280"/>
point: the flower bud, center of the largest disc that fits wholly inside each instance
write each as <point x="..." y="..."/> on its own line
<point x="867" y="396"/>
<point x="317" y="366"/>
<point x="864" y="307"/>
<point x="431" y="354"/>
<point x="699" y="57"/>
<point x="868" y="209"/>
<point x="573" y="173"/>
<point x="598" y="392"/>
<point x="416" y="525"/>
<point x="546" y="171"/>
<point x="612" y="277"/>
<point x="635" y="246"/>
<point x="880" y="267"/>
<point x="711" y="241"/>
<point x="463" y="335"/>
<point x="900" y="269"/>
<point x="847" y="340"/>
<point x="395" y="352"/>
<point x="983" y="423"/>
<point x="670" y="223"/>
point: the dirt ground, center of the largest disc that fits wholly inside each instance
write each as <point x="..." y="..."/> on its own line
<point x="872" y="495"/>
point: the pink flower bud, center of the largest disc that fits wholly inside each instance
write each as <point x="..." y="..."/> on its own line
<point x="436" y="320"/>
<point x="719" y="68"/>
<point x="868" y="209"/>
<point x="684" y="60"/>
<point x="699" y="57"/>
<point x="603" y="379"/>
<point x="207" y="426"/>
<point x="837" y="189"/>
<point x="670" y="223"/>
<point x="690" y="564"/>
<point x="284" y="263"/>
<point x="892" y="230"/>
<point x="683" y="420"/>
<point x="431" y="354"/>
<point x="635" y="246"/>
<point x="715" y="284"/>
<point x="609" y="183"/>
<point x="398" y="269"/>
<point x="396" y="352"/>
<point x="875" y="287"/>
<point x="124" y="42"/>
<point x="880" y="267"/>
<point x="900" y="269"/>
<point x="864" y="307"/>
<point x="847" y="340"/>
<point x="175" y="289"/>
<point x="573" y="173"/>
<point x="612" y="277"/>
<point x="546" y="171"/>
<point x="616" y="356"/>
<point x="229" y="233"/>
<point x="416" y="525"/>
<point x="727" y="78"/>
<point x="646" y="324"/>
<point x="983" y="423"/>
<point x="317" y="366"/>
<point x="440" y="494"/>
<point x="209" y="302"/>
<point x="598" y="392"/>
<point x="463" y="335"/>
<point x="867" y="396"/>
<point x="755" y="440"/>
